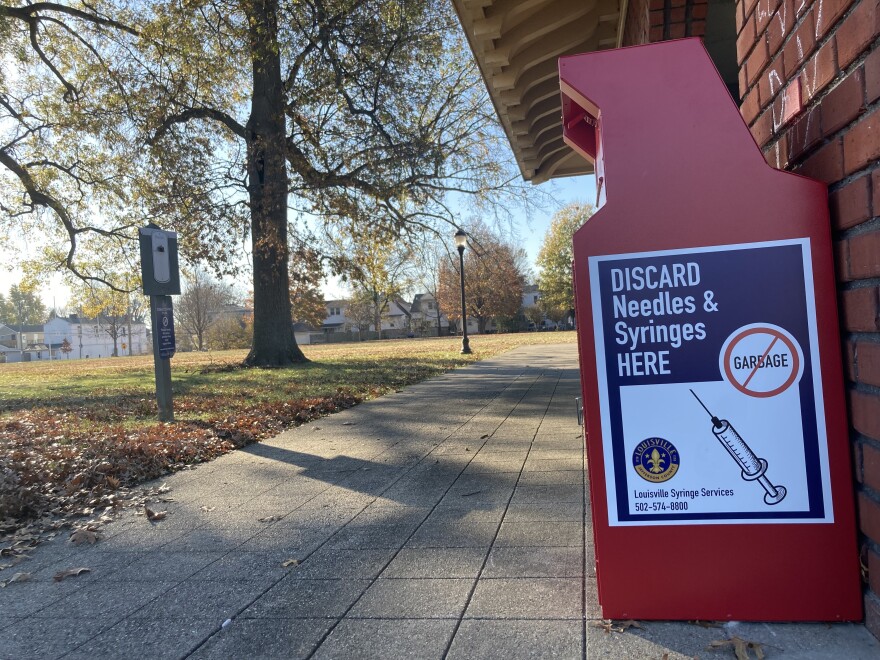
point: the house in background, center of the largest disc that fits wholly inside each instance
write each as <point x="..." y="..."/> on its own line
<point x="426" y="318"/>
<point x="88" y="338"/>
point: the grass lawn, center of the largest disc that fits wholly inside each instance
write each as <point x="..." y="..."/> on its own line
<point x="75" y="432"/>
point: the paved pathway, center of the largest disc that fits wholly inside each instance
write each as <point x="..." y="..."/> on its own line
<point x="447" y="520"/>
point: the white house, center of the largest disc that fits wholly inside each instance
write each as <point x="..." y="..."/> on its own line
<point x="424" y="313"/>
<point x="88" y="338"/>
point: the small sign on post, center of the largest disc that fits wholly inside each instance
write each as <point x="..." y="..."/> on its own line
<point x="161" y="280"/>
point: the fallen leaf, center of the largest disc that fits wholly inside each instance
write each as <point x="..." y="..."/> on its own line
<point x="629" y="623"/>
<point x="70" y="572"/>
<point x="81" y="536"/>
<point x="208" y="509"/>
<point x="471" y="493"/>
<point x="348" y="423"/>
<point x="290" y="562"/>
<point x="153" y="516"/>
<point x="269" y="519"/>
<point x="706" y="624"/>
<point x="484" y="436"/>
<point x="163" y="489"/>
<point x="18" y="577"/>
<point x="741" y="647"/>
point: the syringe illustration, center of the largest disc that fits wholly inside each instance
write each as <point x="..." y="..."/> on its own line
<point x="753" y="468"/>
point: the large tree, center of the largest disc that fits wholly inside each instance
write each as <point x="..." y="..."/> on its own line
<point x="494" y="274"/>
<point x="555" y="259"/>
<point x="351" y="105"/>
<point x="23" y="307"/>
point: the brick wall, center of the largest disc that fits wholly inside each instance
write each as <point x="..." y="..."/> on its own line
<point x="674" y="19"/>
<point x="810" y="83"/>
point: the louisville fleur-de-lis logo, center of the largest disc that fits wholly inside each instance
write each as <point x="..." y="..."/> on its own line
<point x="656" y="462"/>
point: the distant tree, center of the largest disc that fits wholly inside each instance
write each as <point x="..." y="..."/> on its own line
<point x="24" y="307"/>
<point x="66" y="348"/>
<point x="306" y="273"/>
<point x="109" y="307"/>
<point x="494" y="273"/>
<point x="555" y="257"/>
<point x="378" y="267"/>
<point x="428" y="260"/>
<point x="201" y="300"/>
<point x="359" y="311"/>
<point x="534" y="314"/>
<point x="228" y="332"/>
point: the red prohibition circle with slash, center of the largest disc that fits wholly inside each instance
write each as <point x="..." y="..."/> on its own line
<point x="775" y="337"/>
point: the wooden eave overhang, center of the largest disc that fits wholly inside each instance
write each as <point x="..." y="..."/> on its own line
<point x="517" y="44"/>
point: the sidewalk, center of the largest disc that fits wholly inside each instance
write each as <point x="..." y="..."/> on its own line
<point x="447" y="520"/>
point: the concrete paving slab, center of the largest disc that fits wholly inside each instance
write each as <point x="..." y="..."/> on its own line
<point x="354" y="564"/>
<point x="248" y="566"/>
<point x="416" y="598"/>
<point x="436" y="563"/>
<point x="202" y="599"/>
<point x="160" y="639"/>
<point x="98" y="602"/>
<point x="517" y="640"/>
<point x="534" y="562"/>
<point x="534" y="533"/>
<point x="265" y="639"/>
<point x="307" y="599"/>
<point x="527" y="598"/>
<point x="453" y="534"/>
<point x="381" y="639"/>
<point x="38" y="638"/>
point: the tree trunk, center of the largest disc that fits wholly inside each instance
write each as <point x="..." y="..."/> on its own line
<point x="274" y="343"/>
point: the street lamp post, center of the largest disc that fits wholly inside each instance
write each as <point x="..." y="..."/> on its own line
<point x="460" y="241"/>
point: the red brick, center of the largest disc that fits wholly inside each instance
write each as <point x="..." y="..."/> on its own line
<point x="856" y="32"/>
<point x="762" y="129"/>
<point x="826" y="164"/>
<point x="871" y="469"/>
<point x="756" y="62"/>
<point x="677" y="3"/>
<point x="860" y="309"/>
<point x="849" y="356"/>
<point x="740" y="16"/>
<point x="861" y="144"/>
<point x="748" y="6"/>
<point x="872" y="76"/>
<point x="800" y="46"/>
<point x="699" y="12"/>
<point x="873" y="562"/>
<point x="750" y="108"/>
<point x="677" y="15"/>
<point x="657" y="19"/>
<point x="763" y="13"/>
<point x="841" y="260"/>
<point x="780" y="25"/>
<point x="656" y="34"/>
<point x="851" y="204"/>
<point x="745" y="41"/>
<point x="864" y="255"/>
<point x="801" y="7"/>
<point x="771" y="81"/>
<point x="677" y="31"/>
<point x="656" y="4"/>
<point x="844" y="103"/>
<point x="868" y="372"/>
<point x="791" y="103"/>
<point x="698" y="29"/>
<point x="743" y="85"/>
<point x="819" y="71"/>
<point x="872" y="614"/>
<point x="869" y="517"/>
<point x="804" y="134"/>
<point x="875" y="192"/>
<point x="865" y="415"/>
<point x="828" y="13"/>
